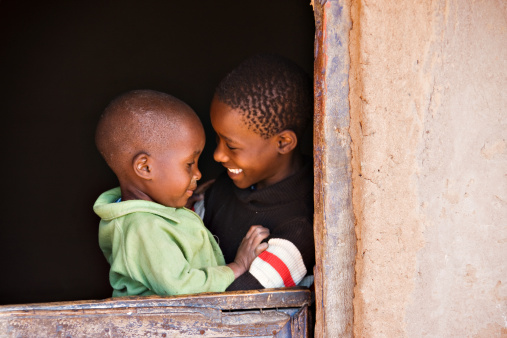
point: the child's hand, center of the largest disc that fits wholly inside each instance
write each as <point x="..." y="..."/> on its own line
<point x="249" y="249"/>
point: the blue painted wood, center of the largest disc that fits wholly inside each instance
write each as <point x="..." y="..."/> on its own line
<point x="334" y="218"/>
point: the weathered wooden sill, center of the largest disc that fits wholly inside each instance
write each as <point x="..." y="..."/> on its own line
<point x="254" y="313"/>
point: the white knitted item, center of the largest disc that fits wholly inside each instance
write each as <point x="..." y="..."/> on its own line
<point x="280" y="265"/>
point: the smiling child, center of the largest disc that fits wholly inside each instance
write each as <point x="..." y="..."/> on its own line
<point x="152" y="141"/>
<point x="259" y="113"/>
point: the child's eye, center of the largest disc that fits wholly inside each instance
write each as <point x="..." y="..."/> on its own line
<point x="191" y="164"/>
<point x="231" y="148"/>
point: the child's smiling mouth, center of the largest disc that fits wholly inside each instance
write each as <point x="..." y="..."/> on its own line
<point x="235" y="171"/>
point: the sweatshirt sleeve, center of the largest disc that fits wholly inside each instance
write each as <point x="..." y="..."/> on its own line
<point x="156" y="257"/>
<point x="289" y="258"/>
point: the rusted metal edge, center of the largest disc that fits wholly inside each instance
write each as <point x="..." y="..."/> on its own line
<point x="334" y="219"/>
<point x="251" y="299"/>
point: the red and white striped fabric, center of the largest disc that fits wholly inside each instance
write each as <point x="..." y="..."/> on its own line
<point x="280" y="265"/>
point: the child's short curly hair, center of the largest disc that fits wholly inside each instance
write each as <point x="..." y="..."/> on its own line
<point x="273" y="92"/>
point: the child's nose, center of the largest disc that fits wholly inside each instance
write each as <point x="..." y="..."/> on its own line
<point x="197" y="174"/>
<point x="219" y="154"/>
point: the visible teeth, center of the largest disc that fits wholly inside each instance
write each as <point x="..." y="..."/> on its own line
<point x="235" y="171"/>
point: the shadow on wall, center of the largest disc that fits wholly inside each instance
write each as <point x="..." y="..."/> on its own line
<point x="61" y="62"/>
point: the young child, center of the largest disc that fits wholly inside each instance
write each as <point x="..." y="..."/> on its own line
<point x="152" y="142"/>
<point x="259" y="112"/>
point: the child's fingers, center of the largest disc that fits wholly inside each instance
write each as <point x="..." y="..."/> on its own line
<point x="259" y="236"/>
<point x="256" y="230"/>
<point x="256" y="235"/>
<point x="253" y="229"/>
<point x="261" y="248"/>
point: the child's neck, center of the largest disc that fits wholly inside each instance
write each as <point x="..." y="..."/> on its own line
<point x="295" y="164"/>
<point x="130" y="191"/>
<point x="289" y="167"/>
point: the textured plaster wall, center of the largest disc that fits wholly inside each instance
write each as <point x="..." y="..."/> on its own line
<point x="428" y="102"/>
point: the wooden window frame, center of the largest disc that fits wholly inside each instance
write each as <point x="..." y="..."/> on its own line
<point x="335" y="240"/>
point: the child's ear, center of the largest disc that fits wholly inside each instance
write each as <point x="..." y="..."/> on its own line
<point x="142" y="164"/>
<point x="286" y="141"/>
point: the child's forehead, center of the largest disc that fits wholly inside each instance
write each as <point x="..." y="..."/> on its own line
<point x="223" y="111"/>
<point x="231" y="119"/>
<point x="262" y="121"/>
<point x="241" y="124"/>
<point x="238" y="132"/>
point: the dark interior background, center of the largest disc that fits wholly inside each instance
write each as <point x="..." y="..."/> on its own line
<point x="61" y="62"/>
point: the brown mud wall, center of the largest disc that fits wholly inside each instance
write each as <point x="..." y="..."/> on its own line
<point x="428" y="109"/>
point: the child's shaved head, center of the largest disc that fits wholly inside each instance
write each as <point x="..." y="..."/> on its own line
<point x="139" y="121"/>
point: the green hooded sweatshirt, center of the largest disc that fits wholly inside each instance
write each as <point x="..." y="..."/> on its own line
<point x="153" y="249"/>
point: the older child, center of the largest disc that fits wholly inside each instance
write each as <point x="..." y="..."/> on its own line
<point x="259" y="112"/>
<point x="152" y="142"/>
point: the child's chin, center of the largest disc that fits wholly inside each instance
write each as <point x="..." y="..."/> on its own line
<point x="181" y="204"/>
<point x="242" y="185"/>
<point x="177" y="206"/>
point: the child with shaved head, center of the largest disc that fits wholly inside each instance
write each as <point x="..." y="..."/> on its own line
<point x="152" y="141"/>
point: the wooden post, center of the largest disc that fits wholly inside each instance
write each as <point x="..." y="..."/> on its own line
<point x="335" y="240"/>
